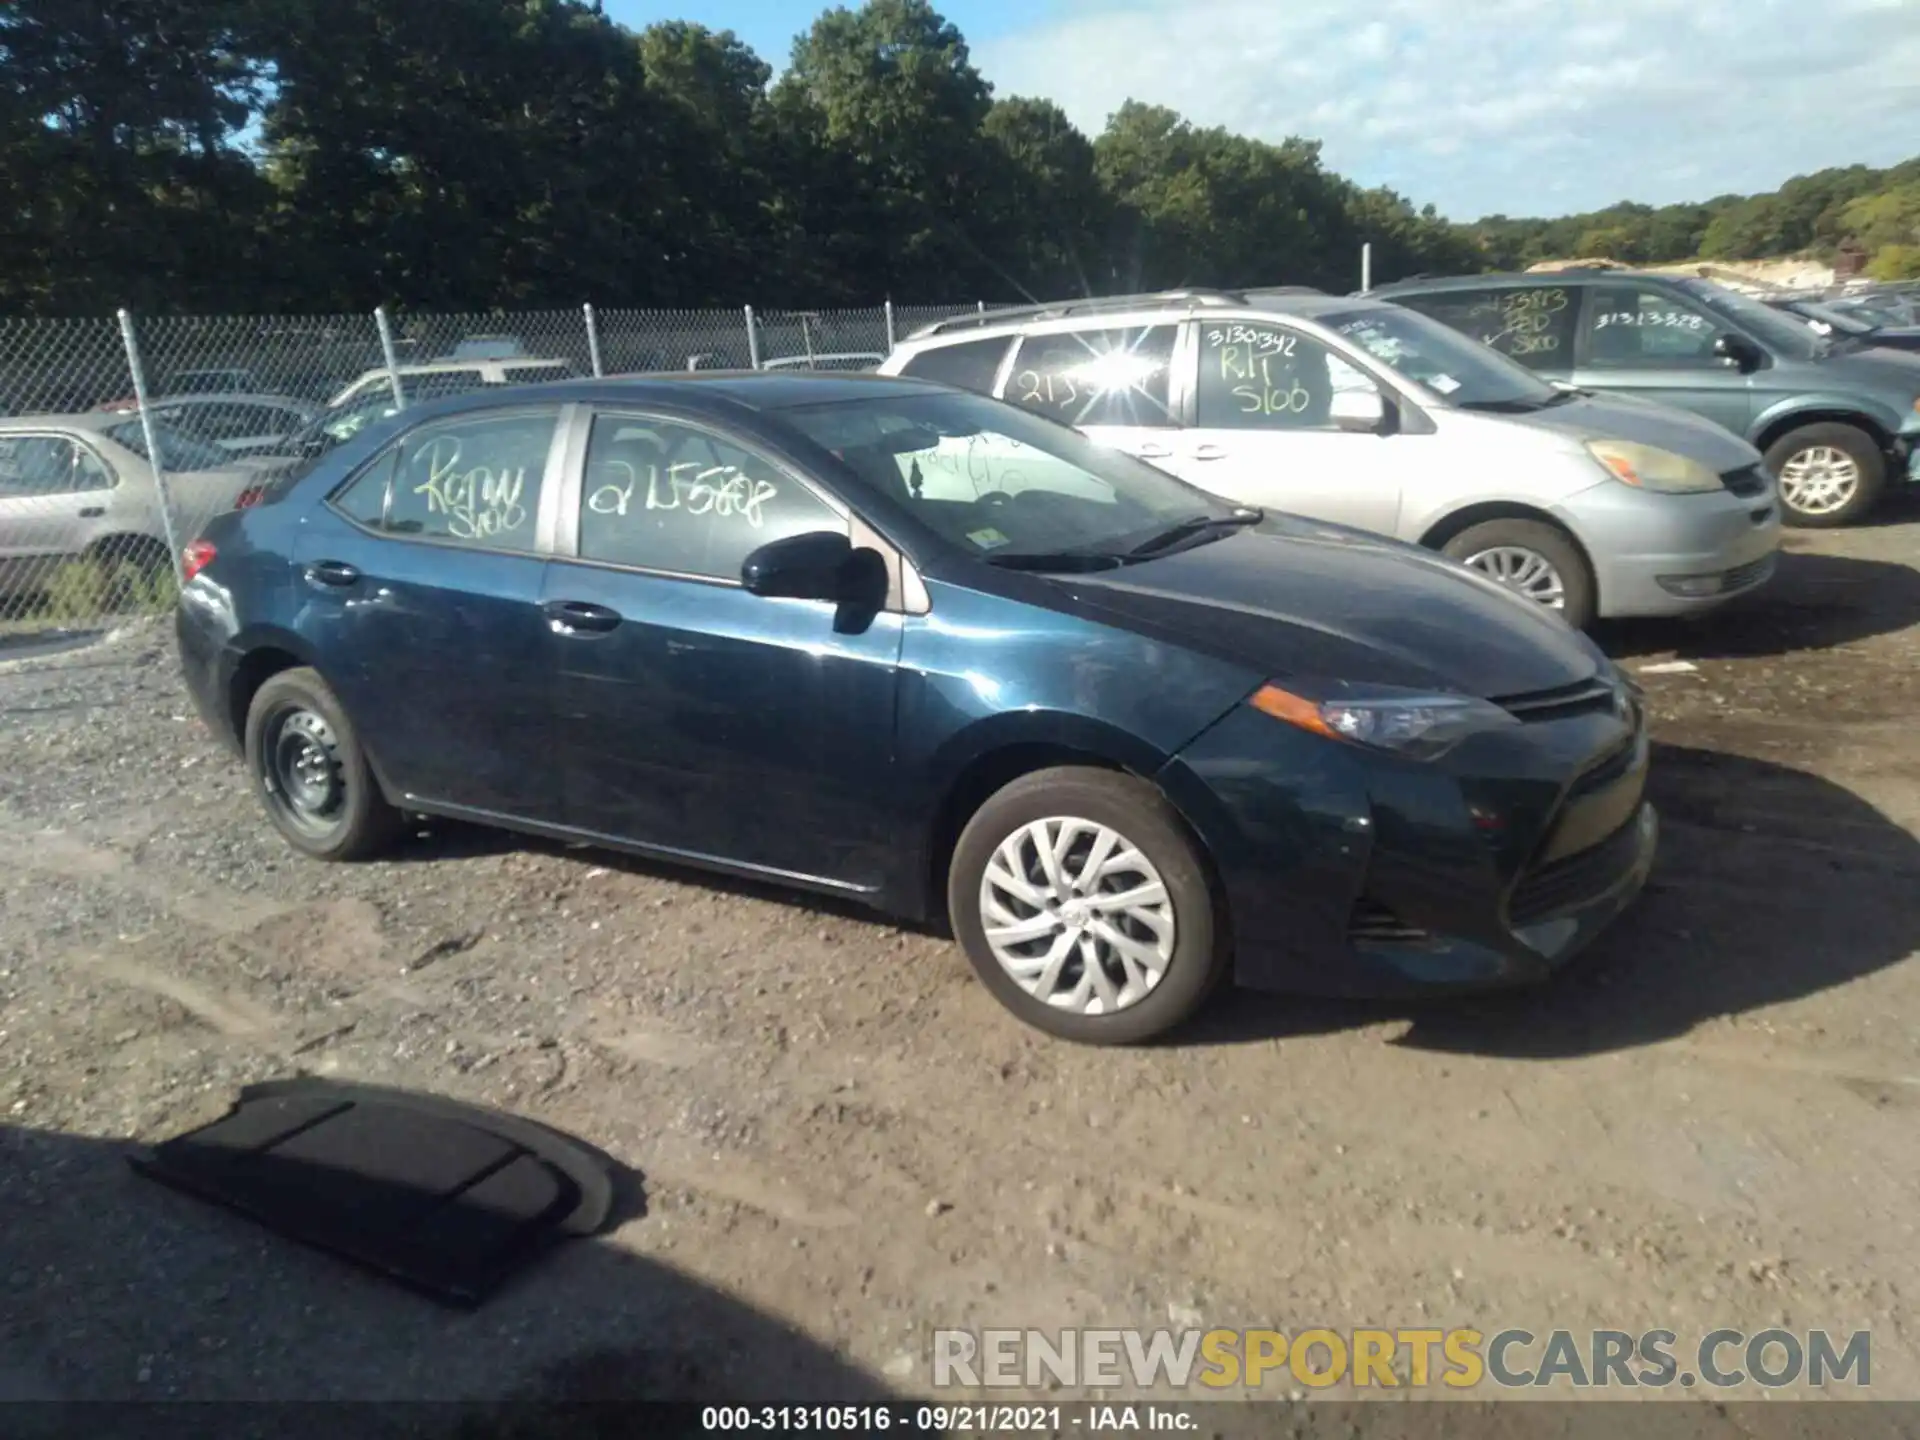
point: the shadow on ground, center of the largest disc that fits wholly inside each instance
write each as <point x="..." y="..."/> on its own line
<point x="1771" y="885"/>
<point x="1813" y="602"/>
<point x="118" y="1289"/>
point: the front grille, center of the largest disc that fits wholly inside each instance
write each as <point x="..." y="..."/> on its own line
<point x="1746" y="482"/>
<point x="1608" y="770"/>
<point x="1586" y="697"/>
<point x="1374" y="924"/>
<point x="1578" y="880"/>
<point x="1751" y="573"/>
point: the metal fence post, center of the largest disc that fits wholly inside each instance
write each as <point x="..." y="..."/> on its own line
<point x="981" y="306"/>
<point x="889" y="310"/>
<point x="387" y="353"/>
<point x="593" y="341"/>
<point x="753" y="341"/>
<point x="139" y="374"/>
<point x="1366" y="267"/>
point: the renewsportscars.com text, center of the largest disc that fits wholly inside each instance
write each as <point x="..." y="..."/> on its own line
<point x="1412" y="1358"/>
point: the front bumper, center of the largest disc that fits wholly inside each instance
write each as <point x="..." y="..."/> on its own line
<point x="1675" y="554"/>
<point x="1357" y="875"/>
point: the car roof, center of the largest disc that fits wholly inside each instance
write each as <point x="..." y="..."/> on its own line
<point x="474" y="362"/>
<point x="87" y="420"/>
<point x="711" y="392"/>
<point x="1522" y="277"/>
<point x="1298" y="301"/>
<point x="235" y="397"/>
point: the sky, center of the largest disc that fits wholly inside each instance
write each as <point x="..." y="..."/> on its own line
<point x="1519" y="107"/>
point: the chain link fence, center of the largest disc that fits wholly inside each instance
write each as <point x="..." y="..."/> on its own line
<point x="121" y="438"/>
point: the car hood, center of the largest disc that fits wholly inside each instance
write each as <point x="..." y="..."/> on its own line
<point x="1645" y="422"/>
<point x="1894" y="337"/>
<point x="1890" y="375"/>
<point x="1298" y="598"/>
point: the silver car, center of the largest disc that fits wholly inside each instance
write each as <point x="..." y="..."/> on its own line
<point x="78" y="487"/>
<point x="242" y="424"/>
<point x="1367" y="414"/>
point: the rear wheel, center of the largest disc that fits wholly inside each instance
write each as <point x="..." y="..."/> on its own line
<point x="1830" y="475"/>
<point x="1085" y="906"/>
<point x="313" y="776"/>
<point x="1530" y="558"/>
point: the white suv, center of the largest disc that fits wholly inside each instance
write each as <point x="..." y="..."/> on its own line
<point x="1366" y="414"/>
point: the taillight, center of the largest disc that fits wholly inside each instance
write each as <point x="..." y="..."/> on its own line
<point x="249" y="497"/>
<point x="196" y="557"/>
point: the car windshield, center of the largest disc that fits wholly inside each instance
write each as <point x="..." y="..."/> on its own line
<point x="1467" y="373"/>
<point x="1012" y="488"/>
<point x="1778" y="332"/>
<point x="177" y="451"/>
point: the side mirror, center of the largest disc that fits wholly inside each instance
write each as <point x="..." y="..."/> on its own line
<point x="1742" y="352"/>
<point x="816" y="565"/>
<point x="1360" y="412"/>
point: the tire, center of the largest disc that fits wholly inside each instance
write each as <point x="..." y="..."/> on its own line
<point x="352" y="820"/>
<point x="1804" y="446"/>
<point x="1194" y="959"/>
<point x="1514" y="547"/>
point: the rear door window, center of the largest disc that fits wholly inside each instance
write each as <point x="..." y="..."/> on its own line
<point x="1097" y="377"/>
<point x="1533" y="324"/>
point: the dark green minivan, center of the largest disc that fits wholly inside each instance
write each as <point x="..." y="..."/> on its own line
<point x="1837" y="418"/>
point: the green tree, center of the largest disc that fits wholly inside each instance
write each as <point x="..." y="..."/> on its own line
<point x="892" y="88"/>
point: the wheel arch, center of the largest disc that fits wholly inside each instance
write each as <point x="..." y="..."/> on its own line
<point x="1460" y="521"/>
<point x="1776" y="427"/>
<point x="259" y="656"/>
<point x="1002" y="753"/>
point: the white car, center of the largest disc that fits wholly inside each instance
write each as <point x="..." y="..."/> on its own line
<point x="484" y="372"/>
<point x="1371" y="415"/>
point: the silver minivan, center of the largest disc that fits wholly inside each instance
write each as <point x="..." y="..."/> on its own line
<point x="1367" y="414"/>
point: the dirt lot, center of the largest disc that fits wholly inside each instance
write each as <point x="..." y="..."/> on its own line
<point x="846" y="1143"/>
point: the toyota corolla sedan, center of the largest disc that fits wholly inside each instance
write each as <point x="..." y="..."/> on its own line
<point x="923" y="649"/>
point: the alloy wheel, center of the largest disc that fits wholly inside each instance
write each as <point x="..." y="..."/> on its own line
<point x="1526" y="571"/>
<point x="1077" y="915"/>
<point x="1819" y="480"/>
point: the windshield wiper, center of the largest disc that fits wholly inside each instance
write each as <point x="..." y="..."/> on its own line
<point x="1193" y="526"/>
<point x="1064" y="562"/>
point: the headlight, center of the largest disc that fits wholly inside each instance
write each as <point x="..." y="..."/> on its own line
<point x="1406" y="722"/>
<point x="1648" y="467"/>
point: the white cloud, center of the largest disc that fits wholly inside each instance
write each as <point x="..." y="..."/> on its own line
<point x="1522" y="106"/>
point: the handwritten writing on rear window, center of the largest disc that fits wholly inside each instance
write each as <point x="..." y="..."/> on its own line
<point x="1521" y="322"/>
<point x="723" y="491"/>
<point x="479" y="503"/>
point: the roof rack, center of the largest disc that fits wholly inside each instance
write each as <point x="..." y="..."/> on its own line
<point x="1093" y="305"/>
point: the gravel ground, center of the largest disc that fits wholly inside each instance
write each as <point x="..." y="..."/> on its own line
<point x="846" y="1143"/>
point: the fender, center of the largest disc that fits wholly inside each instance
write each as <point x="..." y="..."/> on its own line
<point x="1822" y="406"/>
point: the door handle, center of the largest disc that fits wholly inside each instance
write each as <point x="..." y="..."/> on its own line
<point x="575" y="617"/>
<point x="1209" y="452"/>
<point x="332" y="572"/>
<point x="1152" y="452"/>
<point x="93" y="512"/>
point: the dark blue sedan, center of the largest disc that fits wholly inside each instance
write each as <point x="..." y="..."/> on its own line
<point x="894" y="642"/>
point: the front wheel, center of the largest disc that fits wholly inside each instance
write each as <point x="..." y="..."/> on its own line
<point x="313" y="776"/>
<point x="1830" y="475"/>
<point x="1085" y="907"/>
<point x="1532" y="559"/>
